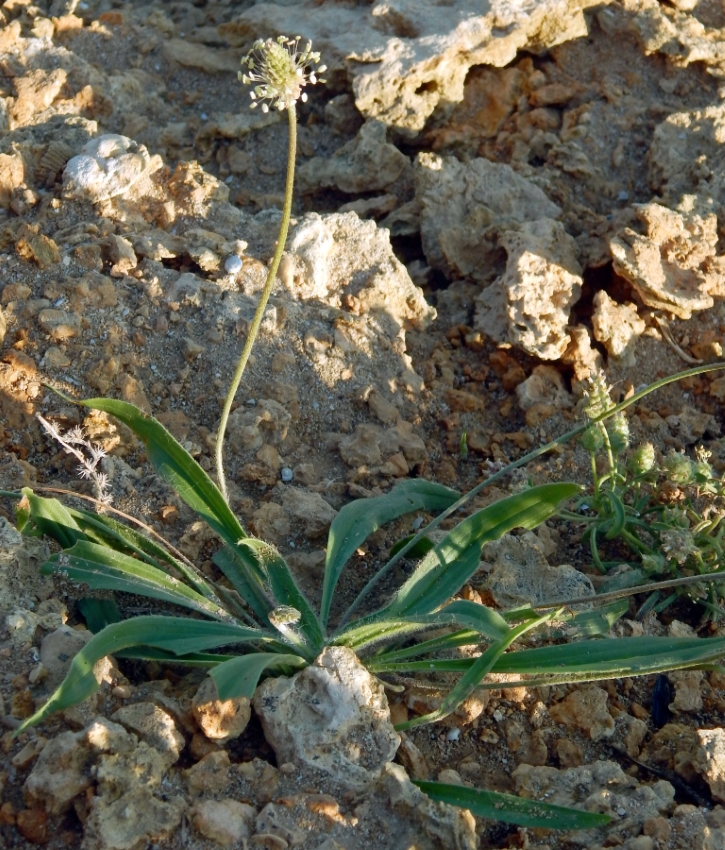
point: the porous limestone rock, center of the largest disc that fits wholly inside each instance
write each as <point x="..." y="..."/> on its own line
<point x="394" y="811"/>
<point x="515" y="571"/>
<point x="367" y="163"/>
<point x="529" y="305"/>
<point x="153" y="725"/>
<point x="407" y="58"/>
<point x="710" y="760"/>
<point x="107" y="167"/>
<point x="545" y="385"/>
<point x="617" y="326"/>
<point x="672" y="265"/>
<point x="330" y="720"/>
<point x="220" y="720"/>
<point x="466" y="206"/>
<point x="585" y="708"/>
<point x="599" y="787"/>
<point x="21" y="583"/>
<point x="309" y="510"/>
<point x="226" y="822"/>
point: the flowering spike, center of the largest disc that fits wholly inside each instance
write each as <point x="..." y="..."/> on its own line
<point x="280" y="71"/>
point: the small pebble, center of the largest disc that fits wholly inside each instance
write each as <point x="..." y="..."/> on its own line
<point x="232" y="265"/>
<point x="286" y="474"/>
<point x="453" y="734"/>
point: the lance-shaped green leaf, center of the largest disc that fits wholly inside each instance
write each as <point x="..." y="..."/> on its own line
<point x="37" y="515"/>
<point x="175" y="634"/>
<point x="240" y="676"/>
<point x="482" y="620"/>
<point x="176" y="466"/>
<point x="510" y="809"/>
<point x="358" y="520"/>
<point x="285" y="591"/>
<point x="445" y="569"/>
<point x="101" y="568"/>
<point x="472" y="678"/>
<point x="232" y="561"/>
<point x="587" y="660"/>
<point x="108" y="531"/>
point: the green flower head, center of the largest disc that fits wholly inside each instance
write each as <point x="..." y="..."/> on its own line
<point x="279" y="72"/>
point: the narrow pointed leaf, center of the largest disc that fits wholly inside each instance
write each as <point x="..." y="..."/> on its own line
<point x="483" y="621"/>
<point x="510" y="809"/>
<point x="357" y="521"/>
<point x="98" y="613"/>
<point x="285" y="591"/>
<point x="474" y="675"/>
<point x="240" y="676"/>
<point x="445" y="569"/>
<point x="176" y="634"/>
<point x="101" y="568"/>
<point x="177" y="467"/>
<point x="249" y="587"/>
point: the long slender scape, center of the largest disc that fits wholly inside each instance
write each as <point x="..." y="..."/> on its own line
<point x="522" y="461"/>
<point x="259" y="314"/>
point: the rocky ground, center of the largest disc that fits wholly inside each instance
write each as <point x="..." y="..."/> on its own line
<point x="491" y="205"/>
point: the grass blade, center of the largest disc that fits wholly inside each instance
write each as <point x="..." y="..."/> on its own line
<point x="101" y="568"/>
<point x="179" y="635"/>
<point x="358" y="520"/>
<point x="511" y="809"/>
<point x="445" y="569"/>
<point x="37" y="515"/>
<point x="240" y="676"/>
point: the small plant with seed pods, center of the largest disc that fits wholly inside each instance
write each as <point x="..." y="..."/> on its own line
<point x="257" y="622"/>
<point x="667" y="511"/>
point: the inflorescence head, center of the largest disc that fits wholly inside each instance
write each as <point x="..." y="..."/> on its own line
<point x="279" y="72"/>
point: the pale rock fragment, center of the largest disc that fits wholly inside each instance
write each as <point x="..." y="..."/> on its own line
<point x="529" y="305"/>
<point x="309" y="510"/>
<point x="108" y="167"/>
<point x="367" y="163"/>
<point x="688" y="690"/>
<point x="58" y="650"/>
<point x="617" y="326"/>
<point x="691" y="425"/>
<point x="515" y="572"/>
<point x="710" y="760"/>
<point x="466" y="206"/>
<point x="669" y="265"/>
<point x="545" y="385"/>
<point x="331" y="720"/>
<point x="220" y="720"/>
<point x="12" y="177"/>
<point x="226" y="821"/>
<point x="407" y="59"/>
<point x="266" y="422"/>
<point x="601" y="786"/>
<point x="60" y="773"/>
<point x="153" y="725"/>
<point x="194" y="55"/>
<point x="21" y="583"/>
<point x="585" y="709"/>
<point x="35" y="92"/>
<point x="122" y="255"/>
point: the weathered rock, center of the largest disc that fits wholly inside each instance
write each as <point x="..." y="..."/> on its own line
<point x="367" y="163"/>
<point x="251" y="427"/>
<point x="408" y="58"/>
<point x="227" y="822"/>
<point x="586" y="709"/>
<point x="671" y="264"/>
<point x="108" y="167"/>
<point x="220" y="720"/>
<point x="529" y="305"/>
<point x="309" y="510"/>
<point x="544" y="385"/>
<point x="58" y="650"/>
<point x="195" y="55"/>
<point x="617" y="326"/>
<point x="12" y="176"/>
<point x="515" y="572"/>
<point x="330" y="720"/>
<point x="20" y="559"/>
<point x="600" y="787"/>
<point x="60" y="773"/>
<point x="466" y="206"/>
<point x="153" y="725"/>
<point x="710" y="760"/>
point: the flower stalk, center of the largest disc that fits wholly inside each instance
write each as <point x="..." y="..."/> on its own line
<point x="280" y="73"/>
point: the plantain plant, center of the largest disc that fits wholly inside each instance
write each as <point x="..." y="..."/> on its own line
<point x="259" y="623"/>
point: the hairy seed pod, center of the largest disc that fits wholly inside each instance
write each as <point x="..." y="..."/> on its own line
<point x="618" y="430"/>
<point x="642" y="460"/>
<point x="592" y="439"/>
